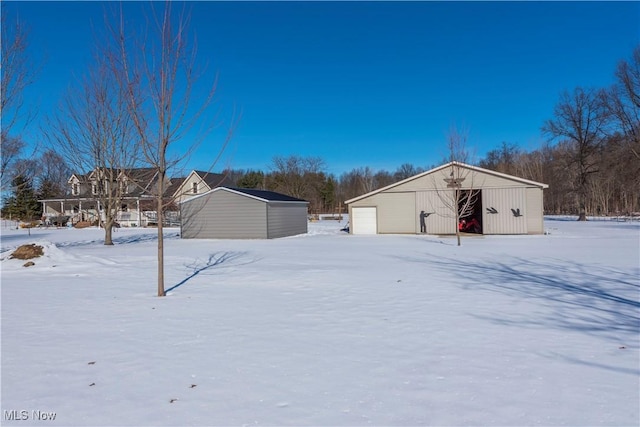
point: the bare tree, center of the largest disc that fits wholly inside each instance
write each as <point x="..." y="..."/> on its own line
<point x="297" y="176"/>
<point x="363" y="180"/>
<point x="457" y="150"/>
<point x="18" y="73"/>
<point x="623" y="101"/>
<point x="382" y="178"/>
<point x="458" y="196"/>
<point x="366" y="179"/>
<point x="11" y="148"/>
<point x="504" y="159"/>
<point x="53" y="174"/>
<point x="164" y="101"/>
<point x="348" y="185"/>
<point x="93" y="131"/>
<point x="405" y="171"/>
<point x="580" y="119"/>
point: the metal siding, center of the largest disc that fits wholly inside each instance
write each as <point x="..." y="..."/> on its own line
<point x="366" y="202"/>
<point x="436" y="180"/>
<point x="503" y="200"/>
<point x="442" y="219"/>
<point x="396" y="213"/>
<point x="502" y="193"/>
<point x="535" y="216"/>
<point x="224" y="215"/>
<point x="472" y="179"/>
<point x="286" y="219"/>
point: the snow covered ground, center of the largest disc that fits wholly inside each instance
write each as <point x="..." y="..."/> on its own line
<point x="324" y="329"/>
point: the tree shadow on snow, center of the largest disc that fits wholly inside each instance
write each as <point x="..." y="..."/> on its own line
<point x="120" y="240"/>
<point x="214" y="260"/>
<point x="618" y="369"/>
<point x="589" y="298"/>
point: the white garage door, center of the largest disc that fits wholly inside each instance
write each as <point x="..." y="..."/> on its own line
<point x="364" y="221"/>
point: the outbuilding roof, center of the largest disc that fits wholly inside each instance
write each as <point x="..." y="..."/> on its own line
<point x="263" y="195"/>
<point x="446" y="165"/>
<point x="270" y="196"/>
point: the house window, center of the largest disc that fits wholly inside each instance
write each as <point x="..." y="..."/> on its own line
<point x="125" y="207"/>
<point x="195" y="188"/>
<point x="75" y="190"/>
<point x="94" y="189"/>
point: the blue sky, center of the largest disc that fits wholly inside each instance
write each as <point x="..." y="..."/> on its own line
<point x="359" y="84"/>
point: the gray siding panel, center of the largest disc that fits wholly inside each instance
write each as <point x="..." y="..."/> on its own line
<point x="286" y="219"/>
<point x="224" y="215"/>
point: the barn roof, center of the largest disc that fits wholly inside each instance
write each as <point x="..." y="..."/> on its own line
<point x="446" y="165"/>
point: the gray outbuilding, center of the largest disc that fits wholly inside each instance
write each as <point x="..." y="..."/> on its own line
<point x="494" y="202"/>
<point x="242" y="213"/>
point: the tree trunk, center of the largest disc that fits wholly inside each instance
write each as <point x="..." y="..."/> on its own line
<point x="160" y="216"/>
<point x="457" y="200"/>
<point x="582" y="207"/>
<point x="108" y="231"/>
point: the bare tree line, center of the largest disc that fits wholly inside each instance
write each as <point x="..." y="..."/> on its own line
<point x="590" y="159"/>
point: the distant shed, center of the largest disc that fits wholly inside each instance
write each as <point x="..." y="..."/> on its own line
<point x="242" y="213"/>
<point x="502" y="204"/>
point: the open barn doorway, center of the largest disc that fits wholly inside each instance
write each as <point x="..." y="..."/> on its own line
<point x="470" y="209"/>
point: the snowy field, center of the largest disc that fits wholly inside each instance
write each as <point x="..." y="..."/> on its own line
<point x="324" y="329"/>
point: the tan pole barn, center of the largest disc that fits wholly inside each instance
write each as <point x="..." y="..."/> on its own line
<point x="497" y="203"/>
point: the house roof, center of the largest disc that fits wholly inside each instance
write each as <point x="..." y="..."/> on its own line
<point x="140" y="174"/>
<point x="214" y="179"/>
<point x="81" y="177"/>
<point x="175" y="185"/>
<point x="446" y="165"/>
<point x="262" y="195"/>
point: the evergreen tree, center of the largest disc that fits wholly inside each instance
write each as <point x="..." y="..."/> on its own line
<point x="9" y="207"/>
<point x="328" y="194"/>
<point x="251" y="179"/>
<point x="23" y="204"/>
<point x="49" y="189"/>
